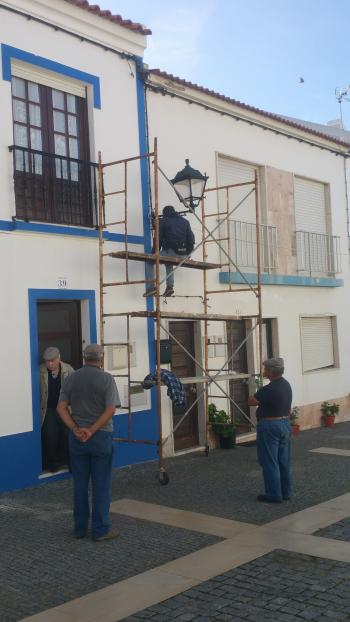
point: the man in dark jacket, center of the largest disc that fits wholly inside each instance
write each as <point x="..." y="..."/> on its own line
<point x="175" y="239"/>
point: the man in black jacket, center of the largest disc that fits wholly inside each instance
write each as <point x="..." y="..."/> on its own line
<point x="175" y="239"/>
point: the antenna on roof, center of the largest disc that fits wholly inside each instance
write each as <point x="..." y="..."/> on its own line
<point x="342" y="94"/>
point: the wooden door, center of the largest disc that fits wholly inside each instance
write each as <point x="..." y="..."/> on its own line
<point x="183" y="366"/>
<point x="59" y="325"/>
<point x="239" y="392"/>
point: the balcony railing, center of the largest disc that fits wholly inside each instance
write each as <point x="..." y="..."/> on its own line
<point x="53" y="188"/>
<point x="317" y="253"/>
<point x="244" y="246"/>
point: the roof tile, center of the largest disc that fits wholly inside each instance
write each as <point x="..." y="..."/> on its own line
<point x="117" y="19"/>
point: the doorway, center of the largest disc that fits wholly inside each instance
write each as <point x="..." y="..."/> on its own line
<point x="239" y="390"/>
<point x="183" y="366"/>
<point x="59" y="325"/>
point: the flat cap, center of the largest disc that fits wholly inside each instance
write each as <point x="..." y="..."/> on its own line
<point x="93" y="352"/>
<point x="51" y="353"/>
<point x="275" y="363"/>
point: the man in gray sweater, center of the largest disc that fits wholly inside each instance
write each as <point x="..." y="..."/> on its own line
<point x="93" y="397"/>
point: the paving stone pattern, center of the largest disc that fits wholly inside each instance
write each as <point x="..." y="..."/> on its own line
<point x="42" y="565"/>
<point x="337" y="531"/>
<point x="278" y="587"/>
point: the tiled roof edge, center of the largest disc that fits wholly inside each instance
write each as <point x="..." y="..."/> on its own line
<point x="117" y="19"/>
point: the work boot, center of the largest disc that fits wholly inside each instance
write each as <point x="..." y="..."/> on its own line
<point x="149" y="292"/>
<point x="168" y="292"/>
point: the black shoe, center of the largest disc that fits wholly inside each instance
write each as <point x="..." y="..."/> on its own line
<point x="149" y="292"/>
<point x="286" y="498"/>
<point x="168" y="292"/>
<point x="265" y="499"/>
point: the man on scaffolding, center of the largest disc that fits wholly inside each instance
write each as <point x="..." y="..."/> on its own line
<point x="176" y="239"/>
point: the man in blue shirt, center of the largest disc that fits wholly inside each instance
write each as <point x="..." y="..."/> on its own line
<point x="274" y="432"/>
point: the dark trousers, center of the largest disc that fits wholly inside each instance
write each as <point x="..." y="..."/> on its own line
<point x="54" y="441"/>
<point x="273" y="445"/>
<point x="93" y="461"/>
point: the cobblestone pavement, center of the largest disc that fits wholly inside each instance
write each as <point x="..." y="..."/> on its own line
<point x="280" y="586"/>
<point x="337" y="531"/>
<point x="41" y="565"/>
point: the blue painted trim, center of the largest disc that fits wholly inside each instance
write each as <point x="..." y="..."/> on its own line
<point x="145" y="189"/>
<point x="279" y="279"/>
<point x="8" y="52"/>
<point x="35" y="295"/>
<point x="20" y="225"/>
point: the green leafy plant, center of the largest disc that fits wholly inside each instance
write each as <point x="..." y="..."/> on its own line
<point x="329" y="410"/>
<point x="220" y="421"/>
<point x="294" y="415"/>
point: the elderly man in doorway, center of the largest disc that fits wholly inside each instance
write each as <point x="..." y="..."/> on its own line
<point x="274" y="432"/>
<point x="54" y="434"/>
<point x="93" y="397"/>
<point x="176" y="239"/>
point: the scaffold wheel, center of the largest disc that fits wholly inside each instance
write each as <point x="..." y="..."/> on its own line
<point x="163" y="477"/>
<point x="206" y="450"/>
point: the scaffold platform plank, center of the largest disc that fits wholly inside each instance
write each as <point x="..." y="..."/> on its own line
<point x="217" y="378"/>
<point x="164" y="259"/>
<point x="180" y="315"/>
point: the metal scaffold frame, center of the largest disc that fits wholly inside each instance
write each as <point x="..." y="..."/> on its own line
<point x="222" y="217"/>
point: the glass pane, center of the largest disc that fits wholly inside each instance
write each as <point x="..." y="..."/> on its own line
<point x="22" y="161"/>
<point x="35" y="139"/>
<point x="73" y="148"/>
<point x="34" y="115"/>
<point x="71" y="103"/>
<point x="58" y="99"/>
<point x="61" y="169"/>
<point x="74" y="171"/>
<point x="59" y="121"/>
<point x="33" y="92"/>
<point x="72" y="125"/>
<point x="21" y="138"/>
<point x="19" y="111"/>
<point x="18" y="87"/>
<point x="37" y="164"/>
<point x="60" y="145"/>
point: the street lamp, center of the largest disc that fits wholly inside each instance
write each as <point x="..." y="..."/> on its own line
<point x="189" y="186"/>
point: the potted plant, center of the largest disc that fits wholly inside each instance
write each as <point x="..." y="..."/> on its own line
<point x="222" y="424"/>
<point x="329" y="411"/>
<point x="294" y="416"/>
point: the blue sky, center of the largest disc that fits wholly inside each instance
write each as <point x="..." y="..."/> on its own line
<point x="255" y="51"/>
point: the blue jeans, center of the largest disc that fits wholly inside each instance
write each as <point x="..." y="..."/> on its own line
<point x="150" y="270"/>
<point x="274" y="448"/>
<point x="92" y="460"/>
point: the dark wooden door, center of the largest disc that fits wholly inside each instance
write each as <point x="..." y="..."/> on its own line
<point x="59" y="325"/>
<point x="182" y="365"/>
<point x="236" y="333"/>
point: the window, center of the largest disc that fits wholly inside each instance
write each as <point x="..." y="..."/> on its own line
<point x="53" y="177"/>
<point x="318" y="342"/>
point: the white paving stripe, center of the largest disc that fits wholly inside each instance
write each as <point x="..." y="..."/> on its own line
<point x="331" y="450"/>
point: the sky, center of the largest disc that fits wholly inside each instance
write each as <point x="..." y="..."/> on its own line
<point x="254" y="51"/>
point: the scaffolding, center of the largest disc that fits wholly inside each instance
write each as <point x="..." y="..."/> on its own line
<point x="154" y="312"/>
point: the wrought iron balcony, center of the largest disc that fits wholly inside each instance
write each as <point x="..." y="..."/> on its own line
<point x="55" y="189"/>
<point x="317" y="253"/>
<point x="244" y="246"/>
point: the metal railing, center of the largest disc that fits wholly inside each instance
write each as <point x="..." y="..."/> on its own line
<point x="53" y="188"/>
<point x="244" y="247"/>
<point x="317" y="253"/>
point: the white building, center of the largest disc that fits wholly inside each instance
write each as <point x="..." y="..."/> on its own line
<point x="73" y="83"/>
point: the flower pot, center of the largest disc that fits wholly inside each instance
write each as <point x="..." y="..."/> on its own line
<point x="227" y="442"/>
<point x="295" y="429"/>
<point x="328" y="421"/>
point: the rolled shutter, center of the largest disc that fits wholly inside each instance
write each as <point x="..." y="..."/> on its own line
<point x="234" y="172"/>
<point x="310" y="206"/>
<point x="317" y="342"/>
<point x="47" y="78"/>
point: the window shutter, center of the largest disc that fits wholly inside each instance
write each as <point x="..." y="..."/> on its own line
<point x="47" y="78"/>
<point x="234" y="172"/>
<point x="310" y="206"/>
<point x="317" y="342"/>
